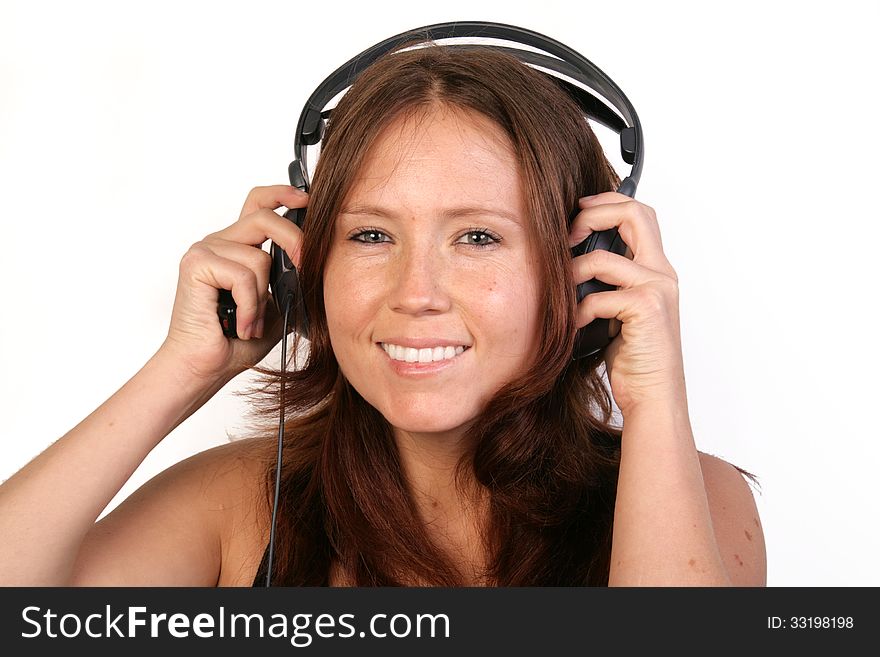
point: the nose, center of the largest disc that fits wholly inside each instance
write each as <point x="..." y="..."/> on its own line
<point x="417" y="283"/>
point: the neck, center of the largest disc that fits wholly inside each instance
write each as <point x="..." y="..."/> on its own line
<point x="429" y="464"/>
<point x="429" y="460"/>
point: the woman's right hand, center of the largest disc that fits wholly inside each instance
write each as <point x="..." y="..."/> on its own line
<point x="233" y="259"/>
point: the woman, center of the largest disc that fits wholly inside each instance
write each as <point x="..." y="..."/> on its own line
<point x="439" y="432"/>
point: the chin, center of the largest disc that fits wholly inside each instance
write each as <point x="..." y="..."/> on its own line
<point x="422" y="413"/>
<point x="424" y="425"/>
<point x="427" y="423"/>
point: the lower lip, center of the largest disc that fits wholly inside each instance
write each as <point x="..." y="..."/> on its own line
<point x="402" y="368"/>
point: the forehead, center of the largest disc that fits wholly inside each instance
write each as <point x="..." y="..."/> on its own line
<point x="440" y="155"/>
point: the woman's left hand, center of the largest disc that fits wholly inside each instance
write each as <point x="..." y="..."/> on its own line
<point x="644" y="362"/>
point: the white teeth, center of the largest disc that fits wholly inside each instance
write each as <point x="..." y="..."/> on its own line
<point x="426" y="355"/>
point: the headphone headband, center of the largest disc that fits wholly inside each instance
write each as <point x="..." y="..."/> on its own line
<point x="564" y="62"/>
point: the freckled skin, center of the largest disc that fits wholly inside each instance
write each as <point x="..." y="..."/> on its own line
<point x="738" y="560"/>
<point x="748" y="535"/>
<point x="424" y="281"/>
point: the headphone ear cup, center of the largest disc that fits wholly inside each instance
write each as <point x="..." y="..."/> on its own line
<point x="600" y="332"/>
<point x="284" y="281"/>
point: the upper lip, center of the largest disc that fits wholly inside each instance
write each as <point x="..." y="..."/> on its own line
<point x="423" y="343"/>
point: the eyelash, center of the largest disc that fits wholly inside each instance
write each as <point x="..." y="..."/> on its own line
<point x="496" y="239"/>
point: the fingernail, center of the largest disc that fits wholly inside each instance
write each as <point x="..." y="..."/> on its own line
<point x="585" y="200"/>
<point x="258" y="328"/>
<point x="582" y="239"/>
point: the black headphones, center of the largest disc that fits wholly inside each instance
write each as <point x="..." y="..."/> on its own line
<point x="568" y="68"/>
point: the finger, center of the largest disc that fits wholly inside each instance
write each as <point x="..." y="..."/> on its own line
<point x="272" y="325"/>
<point x="610" y="268"/>
<point x="273" y="197"/>
<point x="615" y="304"/>
<point x="596" y="215"/>
<point x="628" y="304"/>
<point x="251" y="257"/>
<point x="262" y="225"/>
<point x="637" y="225"/>
<point x="603" y="197"/>
<point x="206" y="267"/>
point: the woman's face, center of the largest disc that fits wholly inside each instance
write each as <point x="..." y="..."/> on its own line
<point x="430" y="286"/>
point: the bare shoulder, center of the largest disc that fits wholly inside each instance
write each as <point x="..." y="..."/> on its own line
<point x="196" y="523"/>
<point x="241" y="469"/>
<point x="736" y="522"/>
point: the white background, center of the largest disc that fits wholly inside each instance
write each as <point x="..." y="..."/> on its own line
<point x="128" y="134"/>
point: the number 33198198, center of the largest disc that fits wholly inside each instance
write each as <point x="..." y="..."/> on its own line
<point x="809" y="622"/>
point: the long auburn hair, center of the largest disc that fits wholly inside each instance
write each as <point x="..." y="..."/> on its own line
<point x="544" y="450"/>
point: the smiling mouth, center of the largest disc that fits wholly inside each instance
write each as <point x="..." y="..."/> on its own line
<point x="426" y="355"/>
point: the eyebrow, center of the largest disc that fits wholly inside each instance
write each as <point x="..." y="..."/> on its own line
<point x="449" y="213"/>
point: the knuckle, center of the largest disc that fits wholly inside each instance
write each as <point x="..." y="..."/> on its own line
<point x="652" y="297"/>
<point x="266" y="216"/>
<point x="192" y="255"/>
<point x="258" y="217"/>
<point x="245" y="281"/>
<point x="644" y="212"/>
<point x="632" y="207"/>
<point x="245" y="277"/>
<point x="598" y="260"/>
<point x="601" y="256"/>
<point x="263" y="260"/>
<point x="583" y="267"/>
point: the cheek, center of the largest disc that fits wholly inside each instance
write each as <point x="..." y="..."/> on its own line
<point x="505" y="306"/>
<point x="337" y="297"/>
<point x="352" y="280"/>
<point x="352" y="296"/>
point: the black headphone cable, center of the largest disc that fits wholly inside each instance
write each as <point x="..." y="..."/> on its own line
<point x="270" y="557"/>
